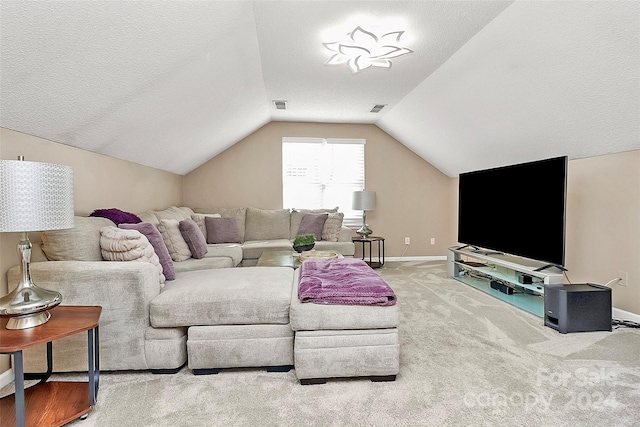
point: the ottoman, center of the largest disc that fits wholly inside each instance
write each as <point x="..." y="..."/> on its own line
<point x="213" y="348"/>
<point x="342" y="341"/>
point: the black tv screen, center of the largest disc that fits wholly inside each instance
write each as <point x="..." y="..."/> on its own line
<point x="517" y="209"/>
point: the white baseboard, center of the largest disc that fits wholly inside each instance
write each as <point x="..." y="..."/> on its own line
<point x="6" y="377"/>
<point x="417" y="258"/>
<point x="625" y="315"/>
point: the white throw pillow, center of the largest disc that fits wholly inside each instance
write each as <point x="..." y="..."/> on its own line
<point x="170" y="231"/>
<point x="332" y="225"/>
<point x="117" y="244"/>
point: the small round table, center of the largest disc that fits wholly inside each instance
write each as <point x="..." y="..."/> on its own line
<point x="369" y="240"/>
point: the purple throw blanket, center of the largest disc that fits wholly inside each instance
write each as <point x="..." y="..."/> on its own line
<point x="345" y="281"/>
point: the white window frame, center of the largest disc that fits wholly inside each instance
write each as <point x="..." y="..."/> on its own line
<point x="333" y="184"/>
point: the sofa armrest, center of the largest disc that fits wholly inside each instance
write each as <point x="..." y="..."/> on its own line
<point x="109" y="284"/>
<point x="345" y="234"/>
<point x="123" y="290"/>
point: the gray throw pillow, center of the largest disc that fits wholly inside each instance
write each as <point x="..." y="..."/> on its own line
<point x="155" y="238"/>
<point x="222" y="230"/>
<point x="298" y="214"/>
<point x="194" y="238"/>
<point x="313" y="224"/>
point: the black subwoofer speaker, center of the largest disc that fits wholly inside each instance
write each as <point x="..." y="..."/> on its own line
<point x="577" y="308"/>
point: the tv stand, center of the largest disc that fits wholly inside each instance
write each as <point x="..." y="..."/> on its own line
<point x="488" y="253"/>
<point x="477" y="268"/>
<point x="544" y="267"/>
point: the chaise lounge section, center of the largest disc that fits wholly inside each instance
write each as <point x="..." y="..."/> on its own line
<point x="236" y="317"/>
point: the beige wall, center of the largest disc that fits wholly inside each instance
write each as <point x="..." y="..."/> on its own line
<point x="99" y="182"/>
<point x="603" y="224"/>
<point x="413" y="198"/>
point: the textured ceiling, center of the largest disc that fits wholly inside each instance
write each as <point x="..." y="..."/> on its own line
<point x="171" y="84"/>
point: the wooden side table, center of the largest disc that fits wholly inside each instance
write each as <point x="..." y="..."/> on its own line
<point x="369" y="240"/>
<point x="51" y="403"/>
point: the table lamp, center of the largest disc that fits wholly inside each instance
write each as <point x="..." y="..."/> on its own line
<point x="34" y="196"/>
<point x="364" y="201"/>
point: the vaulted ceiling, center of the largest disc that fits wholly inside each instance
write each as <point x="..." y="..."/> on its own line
<point x="172" y="84"/>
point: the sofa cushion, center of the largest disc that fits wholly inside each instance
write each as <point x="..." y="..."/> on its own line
<point x="267" y="224"/>
<point x="206" y="263"/>
<point x="174" y="212"/>
<point x="117" y="244"/>
<point x="313" y="224"/>
<point x="148" y="216"/>
<point x="155" y="238"/>
<point x="170" y="231"/>
<point x="80" y="243"/>
<point x="222" y="230"/>
<point x="217" y="256"/>
<point x="239" y="214"/>
<point x="332" y="226"/>
<point x="193" y="237"/>
<point x="253" y="249"/>
<point x="229" y="250"/>
<point x="346" y="248"/>
<point x="298" y="214"/>
<point x="227" y="296"/>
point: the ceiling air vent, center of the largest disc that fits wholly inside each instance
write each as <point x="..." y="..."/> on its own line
<point x="280" y="105"/>
<point x="376" y="108"/>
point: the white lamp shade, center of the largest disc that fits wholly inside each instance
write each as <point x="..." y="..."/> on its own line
<point x="35" y="196"/>
<point x="364" y="200"/>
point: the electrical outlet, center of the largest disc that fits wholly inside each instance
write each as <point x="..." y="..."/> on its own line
<point x="625" y="278"/>
<point x="407" y="240"/>
<point x="433" y="240"/>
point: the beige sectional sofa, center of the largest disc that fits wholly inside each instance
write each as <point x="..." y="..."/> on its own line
<point x="213" y="314"/>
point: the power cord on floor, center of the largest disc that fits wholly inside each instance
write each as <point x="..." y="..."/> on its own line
<point x="616" y="323"/>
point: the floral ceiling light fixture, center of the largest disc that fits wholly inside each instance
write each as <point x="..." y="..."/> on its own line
<point x="361" y="49"/>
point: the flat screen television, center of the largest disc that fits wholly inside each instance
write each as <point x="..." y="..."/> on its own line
<point x="517" y="210"/>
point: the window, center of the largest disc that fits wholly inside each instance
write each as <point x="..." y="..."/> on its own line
<point x="323" y="173"/>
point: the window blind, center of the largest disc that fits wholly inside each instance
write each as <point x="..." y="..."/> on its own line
<point x="323" y="173"/>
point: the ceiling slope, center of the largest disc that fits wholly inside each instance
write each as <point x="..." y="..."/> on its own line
<point x="543" y="79"/>
<point x="165" y="85"/>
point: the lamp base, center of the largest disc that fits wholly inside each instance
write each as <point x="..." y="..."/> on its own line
<point x="27" y="305"/>
<point x="28" y="320"/>
<point x="364" y="231"/>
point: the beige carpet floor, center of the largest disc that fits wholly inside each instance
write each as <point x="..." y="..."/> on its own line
<point x="467" y="359"/>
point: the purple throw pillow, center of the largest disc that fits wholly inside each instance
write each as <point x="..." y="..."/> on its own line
<point x="192" y="234"/>
<point x="155" y="238"/>
<point x="117" y="216"/>
<point x="313" y="224"/>
<point x="221" y="230"/>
